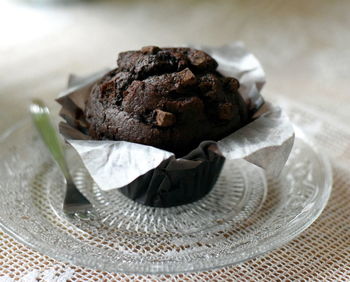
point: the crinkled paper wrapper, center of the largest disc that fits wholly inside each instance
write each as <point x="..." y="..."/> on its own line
<point x="154" y="177"/>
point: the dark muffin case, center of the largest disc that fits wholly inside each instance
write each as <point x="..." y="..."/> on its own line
<point x="164" y="187"/>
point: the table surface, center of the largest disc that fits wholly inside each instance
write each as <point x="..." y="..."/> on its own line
<point x="303" y="46"/>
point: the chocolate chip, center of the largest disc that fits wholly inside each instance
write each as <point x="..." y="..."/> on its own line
<point x="164" y="119"/>
<point x="198" y="59"/>
<point x="187" y="77"/>
<point x="201" y="60"/>
<point x="150" y="50"/>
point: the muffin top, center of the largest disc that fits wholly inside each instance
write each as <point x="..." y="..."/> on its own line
<point x="169" y="98"/>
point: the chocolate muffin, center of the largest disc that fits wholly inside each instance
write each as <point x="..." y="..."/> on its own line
<point x="169" y="98"/>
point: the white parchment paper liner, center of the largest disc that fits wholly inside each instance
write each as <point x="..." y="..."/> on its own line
<point x="265" y="142"/>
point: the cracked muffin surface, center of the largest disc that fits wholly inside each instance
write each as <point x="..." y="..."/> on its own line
<point x="169" y="98"/>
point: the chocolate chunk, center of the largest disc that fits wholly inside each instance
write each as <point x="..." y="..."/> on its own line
<point x="187" y="77"/>
<point x="150" y="49"/>
<point x="164" y="119"/>
<point x="201" y="60"/>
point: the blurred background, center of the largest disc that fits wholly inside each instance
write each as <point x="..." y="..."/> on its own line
<point x="303" y="45"/>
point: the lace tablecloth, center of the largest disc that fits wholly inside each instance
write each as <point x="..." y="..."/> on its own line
<point x="303" y="48"/>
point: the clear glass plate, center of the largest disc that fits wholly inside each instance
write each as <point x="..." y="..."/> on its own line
<point x="242" y="217"/>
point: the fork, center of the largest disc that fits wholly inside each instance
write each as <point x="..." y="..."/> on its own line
<point x="74" y="201"/>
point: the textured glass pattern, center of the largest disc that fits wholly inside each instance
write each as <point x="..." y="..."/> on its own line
<point x="221" y="229"/>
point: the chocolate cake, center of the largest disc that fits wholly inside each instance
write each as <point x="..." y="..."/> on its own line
<point x="170" y="98"/>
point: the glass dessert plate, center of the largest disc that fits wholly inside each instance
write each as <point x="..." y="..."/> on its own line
<point x="242" y="217"/>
